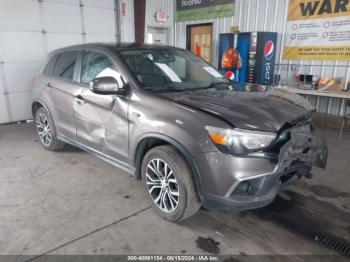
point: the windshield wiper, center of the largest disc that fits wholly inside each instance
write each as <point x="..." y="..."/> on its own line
<point x="167" y="88"/>
<point x="173" y="88"/>
<point x="212" y="85"/>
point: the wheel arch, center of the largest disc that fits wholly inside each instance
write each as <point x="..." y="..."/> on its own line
<point x="37" y="104"/>
<point x="149" y="141"/>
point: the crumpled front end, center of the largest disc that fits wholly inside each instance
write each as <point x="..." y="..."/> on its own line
<point x="304" y="146"/>
<point x="250" y="189"/>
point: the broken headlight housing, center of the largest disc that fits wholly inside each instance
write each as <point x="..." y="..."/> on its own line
<point x="239" y="141"/>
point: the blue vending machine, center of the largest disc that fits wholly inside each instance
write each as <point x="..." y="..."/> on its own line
<point x="257" y="56"/>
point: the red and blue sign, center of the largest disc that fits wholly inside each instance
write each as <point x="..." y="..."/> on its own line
<point x="269" y="50"/>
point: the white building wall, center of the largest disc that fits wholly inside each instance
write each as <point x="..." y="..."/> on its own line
<point x="152" y="6"/>
<point x="127" y="25"/>
<point x="29" y="29"/>
<point x="271" y="15"/>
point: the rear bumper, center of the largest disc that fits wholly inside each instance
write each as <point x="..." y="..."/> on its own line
<point x="235" y="183"/>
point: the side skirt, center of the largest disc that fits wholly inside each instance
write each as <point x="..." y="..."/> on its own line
<point x="114" y="162"/>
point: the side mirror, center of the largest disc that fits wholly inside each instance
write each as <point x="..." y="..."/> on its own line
<point x="107" y="85"/>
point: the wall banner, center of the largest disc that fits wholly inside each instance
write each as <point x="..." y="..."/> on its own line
<point x="187" y="10"/>
<point x="318" y="30"/>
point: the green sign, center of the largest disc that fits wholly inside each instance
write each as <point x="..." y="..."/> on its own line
<point x="203" y="9"/>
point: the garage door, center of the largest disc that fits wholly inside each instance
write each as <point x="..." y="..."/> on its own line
<point x="29" y="29"/>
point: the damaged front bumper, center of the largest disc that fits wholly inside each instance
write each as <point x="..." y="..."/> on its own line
<point x="304" y="147"/>
<point x="295" y="160"/>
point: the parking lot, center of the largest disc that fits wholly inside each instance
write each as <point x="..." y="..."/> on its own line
<point x="72" y="203"/>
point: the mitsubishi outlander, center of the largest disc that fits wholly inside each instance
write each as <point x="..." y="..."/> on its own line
<point x="174" y="122"/>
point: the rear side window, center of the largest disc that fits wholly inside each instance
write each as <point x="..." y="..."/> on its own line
<point x="95" y="64"/>
<point x="64" y="66"/>
<point x="50" y="65"/>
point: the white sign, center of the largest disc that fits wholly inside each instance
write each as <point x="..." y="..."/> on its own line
<point x="212" y="71"/>
<point x="169" y="72"/>
<point x="318" y="30"/>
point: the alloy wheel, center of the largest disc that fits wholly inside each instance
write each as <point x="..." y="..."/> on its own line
<point x="43" y="128"/>
<point x="162" y="185"/>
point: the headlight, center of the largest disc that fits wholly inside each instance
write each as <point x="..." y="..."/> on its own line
<point x="239" y="141"/>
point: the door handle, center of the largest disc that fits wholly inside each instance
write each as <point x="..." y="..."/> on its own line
<point x="49" y="86"/>
<point x="80" y="100"/>
<point x="136" y="114"/>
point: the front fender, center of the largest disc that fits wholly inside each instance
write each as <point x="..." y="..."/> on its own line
<point x="181" y="148"/>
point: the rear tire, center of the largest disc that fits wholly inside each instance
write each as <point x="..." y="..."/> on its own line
<point x="168" y="182"/>
<point x="46" y="130"/>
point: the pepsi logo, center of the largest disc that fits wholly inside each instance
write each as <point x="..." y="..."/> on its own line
<point x="268" y="51"/>
<point x="230" y="75"/>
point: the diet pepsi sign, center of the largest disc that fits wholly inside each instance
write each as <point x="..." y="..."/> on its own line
<point x="269" y="53"/>
<point x="267" y="59"/>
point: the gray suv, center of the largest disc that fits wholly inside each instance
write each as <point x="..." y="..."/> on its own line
<point x="171" y="120"/>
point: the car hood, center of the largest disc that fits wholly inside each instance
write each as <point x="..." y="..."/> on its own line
<point x="265" y="111"/>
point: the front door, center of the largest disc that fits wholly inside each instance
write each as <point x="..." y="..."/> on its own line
<point x="101" y="120"/>
<point x="199" y="40"/>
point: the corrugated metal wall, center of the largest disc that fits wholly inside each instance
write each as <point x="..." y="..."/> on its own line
<point x="29" y="29"/>
<point x="152" y="6"/>
<point x="271" y="15"/>
<point x="127" y="24"/>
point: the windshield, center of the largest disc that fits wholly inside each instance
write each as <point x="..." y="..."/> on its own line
<point x="170" y="69"/>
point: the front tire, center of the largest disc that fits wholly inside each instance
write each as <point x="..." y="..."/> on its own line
<point x="169" y="184"/>
<point x="46" y="130"/>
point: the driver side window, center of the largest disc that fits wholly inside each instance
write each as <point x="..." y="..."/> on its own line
<point x="94" y="65"/>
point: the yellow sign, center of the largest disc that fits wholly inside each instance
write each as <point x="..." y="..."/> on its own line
<point x="317" y="53"/>
<point x="234" y="29"/>
<point x="316" y="9"/>
<point x="318" y="30"/>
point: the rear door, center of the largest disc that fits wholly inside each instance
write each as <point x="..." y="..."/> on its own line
<point x="101" y="120"/>
<point x="61" y="86"/>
